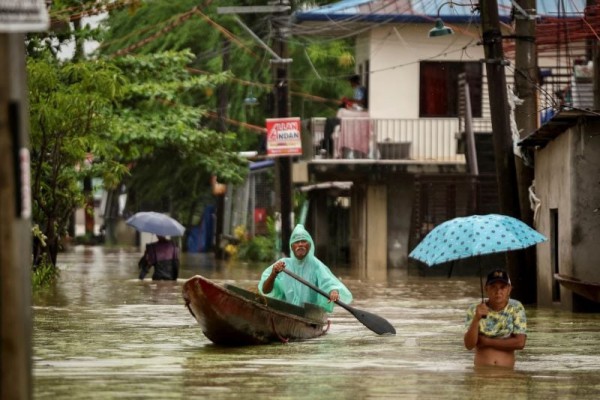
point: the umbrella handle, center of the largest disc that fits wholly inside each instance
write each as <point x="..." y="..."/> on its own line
<point x="481" y="282"/>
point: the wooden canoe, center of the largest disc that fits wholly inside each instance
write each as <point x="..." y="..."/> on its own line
<point x="589" y="290"/>
<point x="232" y="316"/>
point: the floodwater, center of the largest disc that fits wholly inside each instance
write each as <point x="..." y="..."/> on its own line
<point x="102" y="334"/>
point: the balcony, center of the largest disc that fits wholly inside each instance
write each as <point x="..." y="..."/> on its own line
<point x="419" y="140"/>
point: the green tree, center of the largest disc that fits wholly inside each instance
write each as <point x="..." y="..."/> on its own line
<point x="99" y="118"/>
<point x="221" y="44"/>
<point x="162" y="132"/>
<point x="136" y="114"/>
<point x="71" y="118"/>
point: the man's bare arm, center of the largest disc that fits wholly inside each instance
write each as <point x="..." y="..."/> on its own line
<point x="471" y="336"/>
<point x="270" y="281"/>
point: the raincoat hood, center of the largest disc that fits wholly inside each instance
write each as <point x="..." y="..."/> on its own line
<point x="300" y="233"/>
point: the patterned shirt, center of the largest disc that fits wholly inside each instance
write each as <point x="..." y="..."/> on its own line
<point x="503" y="323"/>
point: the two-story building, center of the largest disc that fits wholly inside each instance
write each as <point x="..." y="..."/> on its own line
<point x="407" y="156"/>
<point x="422" y="152"/>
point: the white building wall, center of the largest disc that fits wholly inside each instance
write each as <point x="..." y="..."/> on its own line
<point x="395" y="52"/>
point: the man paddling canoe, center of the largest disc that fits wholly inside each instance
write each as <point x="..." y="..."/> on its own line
<point x="304" y="263"/>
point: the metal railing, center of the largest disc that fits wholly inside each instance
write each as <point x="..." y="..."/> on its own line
<point x="436" y="139"/>
<point x="388" y="139"/>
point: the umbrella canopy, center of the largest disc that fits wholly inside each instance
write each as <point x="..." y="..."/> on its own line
<point x="153" y="222"/>
<point x="474" y="235"/>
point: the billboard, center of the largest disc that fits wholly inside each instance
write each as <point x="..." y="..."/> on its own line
<point x="283" y="137"/>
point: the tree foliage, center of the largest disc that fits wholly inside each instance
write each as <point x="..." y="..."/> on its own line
<point x="141" y="111"/>
<point x="319" y="68"/>
<point x="162" y="131"/>
<point x="107" y="117"/>
<point x="71" y="118"/>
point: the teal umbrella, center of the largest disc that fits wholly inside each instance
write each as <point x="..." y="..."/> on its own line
<point x="475" y="235"/>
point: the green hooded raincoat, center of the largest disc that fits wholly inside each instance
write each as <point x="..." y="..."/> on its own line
<point x="311" y="269"/>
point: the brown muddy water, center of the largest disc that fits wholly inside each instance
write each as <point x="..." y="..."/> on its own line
<point x="99" y="333"/>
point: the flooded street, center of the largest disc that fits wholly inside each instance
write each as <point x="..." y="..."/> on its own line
<point x="101" y="334"/>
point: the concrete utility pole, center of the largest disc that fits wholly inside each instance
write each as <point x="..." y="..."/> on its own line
<point x="526" y="116"/>
<point x="502" y="137"/>
<point x="16" y="17"/>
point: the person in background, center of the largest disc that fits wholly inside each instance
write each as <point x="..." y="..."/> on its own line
<point x="303" y="262"/>
<point x="359" y="96"/>
<point x="497" y="327"/>
<point x="358" y="102"/>
<point x="163" y="255"/>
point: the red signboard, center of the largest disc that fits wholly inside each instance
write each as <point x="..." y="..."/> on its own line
<point x="283" y="137"/>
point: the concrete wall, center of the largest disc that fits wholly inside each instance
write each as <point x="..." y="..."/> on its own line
<point x="553" y="186"/>
<point x="586" y="202"/>
<point x="567" y="175"/>
<point x="395" y="53"/>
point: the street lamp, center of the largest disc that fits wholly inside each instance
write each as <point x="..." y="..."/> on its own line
<point x="250" y="100"/>
<point x="440" y="29"/>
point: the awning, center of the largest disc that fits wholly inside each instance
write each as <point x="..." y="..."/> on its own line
<point x="342" y="185"/>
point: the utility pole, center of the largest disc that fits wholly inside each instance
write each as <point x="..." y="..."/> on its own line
<point x="282" y="110"/>
<point x="16" y="18"/>
<point x="280" y="63"/>
<point x="502" y="137"/>
<point x="222" y="102"/>
<point x="15" y="223"/>
<point x="526" y="117"/>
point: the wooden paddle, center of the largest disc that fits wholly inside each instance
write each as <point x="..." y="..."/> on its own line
<point x="374" y="322"/>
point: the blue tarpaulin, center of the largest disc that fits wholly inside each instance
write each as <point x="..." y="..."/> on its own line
<point x="200" y="237"/>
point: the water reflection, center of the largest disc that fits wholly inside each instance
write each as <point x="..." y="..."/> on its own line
<point x="101" y="333"/>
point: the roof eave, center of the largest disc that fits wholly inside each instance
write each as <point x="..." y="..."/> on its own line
<point x="556" y="126"/>
<point x="300" y="17"/>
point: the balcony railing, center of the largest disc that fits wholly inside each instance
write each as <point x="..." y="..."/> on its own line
<point x="419" y="139"/>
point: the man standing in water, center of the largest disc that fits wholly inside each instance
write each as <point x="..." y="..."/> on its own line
<point x="498" y="327"/>
<point x="163" y="255"/>
<point x="303" y="263"/>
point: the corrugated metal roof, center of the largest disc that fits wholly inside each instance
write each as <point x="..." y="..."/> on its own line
<point x="426" y="10"/>
<point x="261" y="164"/>
<point x="562" y="121"/>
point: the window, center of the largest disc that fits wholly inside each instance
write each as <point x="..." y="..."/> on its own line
<point x="438" y="95"/>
